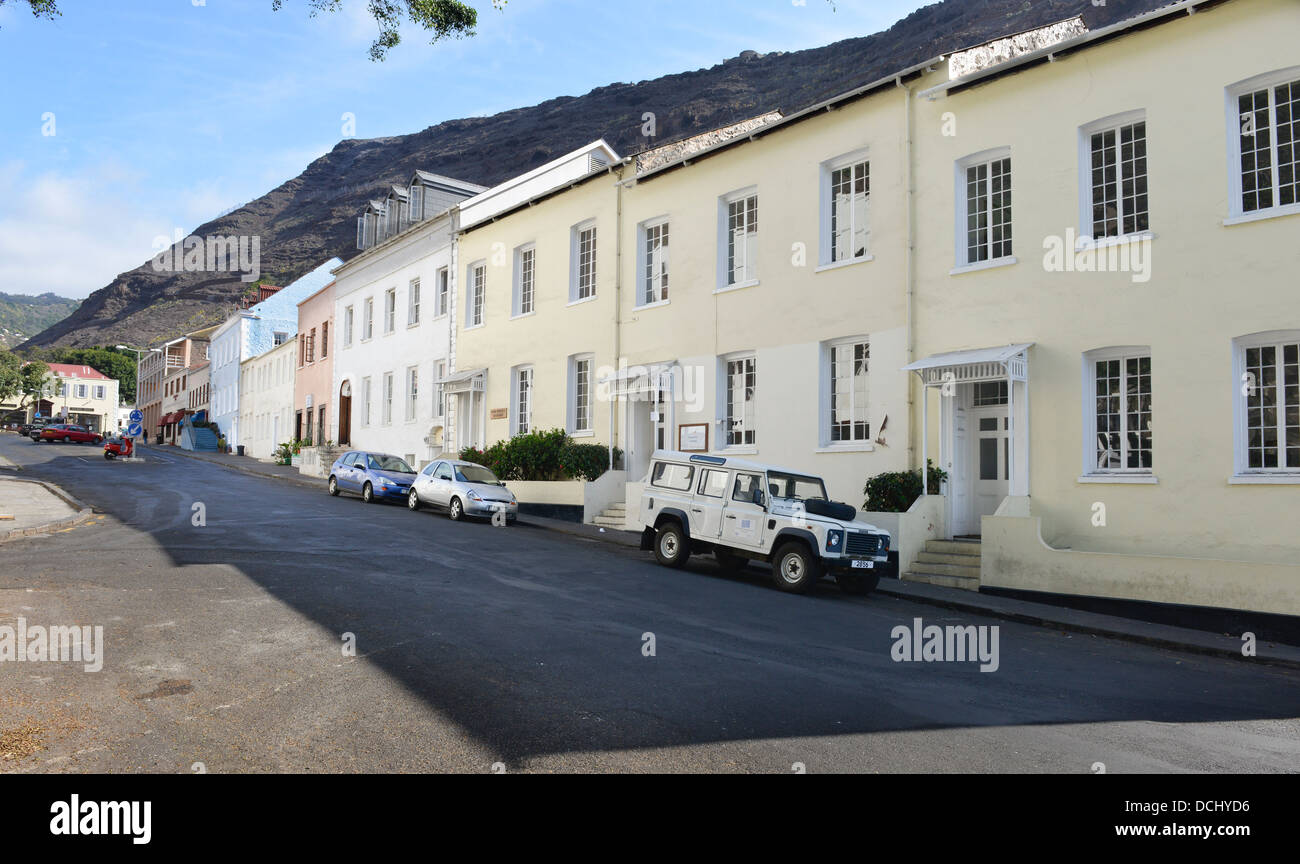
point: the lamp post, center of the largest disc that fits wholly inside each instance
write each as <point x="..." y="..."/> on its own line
<point x="139" y="352"/>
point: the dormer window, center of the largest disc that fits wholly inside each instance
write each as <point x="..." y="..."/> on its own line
<point x="416" y="203"/>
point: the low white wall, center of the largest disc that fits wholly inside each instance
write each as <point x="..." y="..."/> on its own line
<point x="1014" y="555"/>
<point x="316" y="461"/>
<point x="568" y="492"/>
<point x="609" y="488"/>
<point x="923" y="521"/>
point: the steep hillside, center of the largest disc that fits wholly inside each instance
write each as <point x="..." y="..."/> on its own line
<point x="23" y="316"/>
<point x="312" y="217"/>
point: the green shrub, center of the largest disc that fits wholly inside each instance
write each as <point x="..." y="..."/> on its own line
<point x="587" y="461"/>
<point x="895" y="491"/>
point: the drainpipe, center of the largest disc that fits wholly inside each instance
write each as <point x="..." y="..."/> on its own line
<point x="618" y="292"/>
<point x="910" y="274"/>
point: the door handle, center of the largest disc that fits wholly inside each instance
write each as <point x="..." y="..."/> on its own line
<point x="731" y="517"/>
<point x="696" y="510"/>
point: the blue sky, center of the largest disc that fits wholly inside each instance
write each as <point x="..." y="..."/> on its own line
<point x="169" y="112"/>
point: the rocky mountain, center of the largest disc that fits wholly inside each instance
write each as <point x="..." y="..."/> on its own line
<point x="313" y="216"/>
<point x="23" y="315"/>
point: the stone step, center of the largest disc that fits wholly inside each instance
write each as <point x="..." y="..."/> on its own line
<point x="953" y="547"/>
<point x="610" y="522"/>
<point x="945" y="558"/>
<point x="616" y="508"/>
<point x="963" y="582"/>
<point x="964" y="570"/>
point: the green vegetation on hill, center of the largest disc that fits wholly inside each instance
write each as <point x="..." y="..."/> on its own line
<point x="23" y="316"/>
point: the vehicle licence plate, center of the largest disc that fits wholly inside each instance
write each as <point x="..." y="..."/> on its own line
<point x="863" y="565"/>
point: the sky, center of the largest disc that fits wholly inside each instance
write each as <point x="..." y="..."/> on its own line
<point x="126" y="120"/>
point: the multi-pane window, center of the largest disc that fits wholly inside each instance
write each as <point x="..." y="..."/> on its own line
<point x="654" y="288"/>
<point x="1122" y="413"/>
<point x="390" y="310"/>
<point x="368" y="319"/>
<point x="1271" y="387"/>
<point x="324" y="340"/>
<point x="1269" y="136"/>
<point x="413" y="303"/>
<point x="365" y="401"/>
<point x="742" y="240"/>
<point x="477" y="279"/>
<point x="742" y="382"/>
<point x="585" y="273"/>
<point x="987" y="393"/>
<point x="850" y="203"/>
<point x="527" y="270"/>
<point x="582" y="394"/>
<point x="1119" y="180"/>
<point x="388" y="398"/>
<point x="440" y="398"/>
<point x="988" y="210"/>
<point x="347" y="327"/>
<point x="412" y="391"/>
<point x="849" y="361"/>
<point x="309" y="347"/>
<point x="416" y="199"/>
<point x="99" y="391"/>
<point x="523" y="400"/>
<point x="444" y="291"/>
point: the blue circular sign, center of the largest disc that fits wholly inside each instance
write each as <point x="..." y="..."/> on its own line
<point x="136" y="415"/>
<point x="135" y="430"/>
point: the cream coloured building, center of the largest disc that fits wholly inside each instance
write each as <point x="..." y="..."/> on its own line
<point x="1022" y="261"/>
<point x="266" y="399"/>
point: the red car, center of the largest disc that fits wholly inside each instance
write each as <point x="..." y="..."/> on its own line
<point x="69" y="433"/>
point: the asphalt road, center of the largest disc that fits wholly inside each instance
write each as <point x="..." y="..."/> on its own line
<point x="523" y="649"/>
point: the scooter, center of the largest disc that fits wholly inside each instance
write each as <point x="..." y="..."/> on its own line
<point x="114" y="447"/>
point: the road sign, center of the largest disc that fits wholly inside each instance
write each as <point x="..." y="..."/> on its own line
<point x="136" y="415"/>
<point x="135" y="430"/>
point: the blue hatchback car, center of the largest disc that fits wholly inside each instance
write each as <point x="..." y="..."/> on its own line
<point x="373" y="476"/>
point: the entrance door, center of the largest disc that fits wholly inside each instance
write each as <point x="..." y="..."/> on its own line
<point x="990" y="461"/>
<point x="345" y="415"/>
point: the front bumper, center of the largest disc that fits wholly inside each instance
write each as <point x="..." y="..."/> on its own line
<point x="488" y="508"/>
<point x="394" y="492"/>
<point x="845" y="562"/>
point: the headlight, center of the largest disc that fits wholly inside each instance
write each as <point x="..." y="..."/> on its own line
<point x="834" y="540"/>
<point x="473" y="496"/>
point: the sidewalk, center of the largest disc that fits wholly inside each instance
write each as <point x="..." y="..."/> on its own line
<point x="1023" y="611"/>
<point x="37" y="508"/>
<point x="243" y="464"/>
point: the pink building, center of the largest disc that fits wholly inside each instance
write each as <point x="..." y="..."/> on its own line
<point x="315" y="371"/>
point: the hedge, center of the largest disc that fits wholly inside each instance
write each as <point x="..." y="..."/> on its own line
<point x="543" y="455"/>
<point x="895" y="491"/>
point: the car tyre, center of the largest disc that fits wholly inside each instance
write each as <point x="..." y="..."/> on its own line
<point x="413" y="500"/>
<point x="368" y="493"/>
<point x="857" y="584"/>
<point x="456" y="510"/>
<point x="334" y="486"/>
<point x="671" y="546"/>
<point x="794" y="569"/>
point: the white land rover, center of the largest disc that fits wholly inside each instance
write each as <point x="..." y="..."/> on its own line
<point x="745" y="511"/>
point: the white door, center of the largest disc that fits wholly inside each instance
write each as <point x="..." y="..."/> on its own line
<point x="989" y="462"/>
<point x="958" y="483"/>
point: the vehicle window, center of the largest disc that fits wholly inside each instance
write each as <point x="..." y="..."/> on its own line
<point x="745" y="487"/>
<point x="795" y="486"/>
<point x="475" y="474"/>
<point x="713" y="483"/>
<point x="389" y="463"/>
<point x="350" y="460"/>
<point x="444" y="471"/>
<point x="429" y="469"/>
<point x="670" y="476"/>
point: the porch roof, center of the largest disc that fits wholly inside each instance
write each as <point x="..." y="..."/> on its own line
<point x="459" y="382"/>
<point x="975" y="364"/>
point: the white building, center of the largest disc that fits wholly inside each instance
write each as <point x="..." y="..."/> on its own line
<point x="393" y="322"/>
<point x="248" y="333"/>
<point x="266" y="400"/>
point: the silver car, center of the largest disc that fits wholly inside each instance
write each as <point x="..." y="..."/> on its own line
<point x="462" y="489"/>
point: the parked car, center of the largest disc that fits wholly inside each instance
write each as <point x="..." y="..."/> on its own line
<point x="742" y="511"/>
<point x="27" y="429"/>
<point x="373" y="476"/>
<point x="462" y="489"/>
<point x="69" y="433"/>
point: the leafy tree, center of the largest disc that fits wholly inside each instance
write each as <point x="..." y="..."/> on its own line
<point x="112" y="362"/>
<point x="444" y="18"/>
<point x="21" y="379"/>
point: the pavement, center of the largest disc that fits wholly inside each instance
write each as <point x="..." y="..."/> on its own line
<point x="260" y="626"/>
<point x="29" y="507"/>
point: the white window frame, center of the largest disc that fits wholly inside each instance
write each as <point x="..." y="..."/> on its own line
<point x="1114" y="123"/>
<point x="518" y="295"/>
<point x="1242" y="382"/>
<point x="368" y="319"/>
<point x="724" y="402"/>
<point x="1267" y="81"/>
<point x="365" y="401"/>
<point x="439" y="392"/>
<point x="442" y="303"/>
<point x="854" y="442"/>
<point x="390" y="311"/>
<point x="348" y="315"/>
<point x="961" y="207"/>
<point x="726" y="274"/>
<point x="1122" y="353"/>
<point x="522" y="398"/>
<point x="575" y="261"/>
<point x="387" y="410"/>
<point x="100" y="391"/>
<point x="576" y="408"/>
<point x="413" y="302"/>
<point x="475" y="295"/>
<point x="645" y="280"/>
<point x="826" y="195"/>
<point x="412" y="392"/>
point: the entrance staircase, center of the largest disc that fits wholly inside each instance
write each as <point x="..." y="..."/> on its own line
<point x="204" y="440"/>
<point x="951" y="563"/>
<point x="614" y="516"/>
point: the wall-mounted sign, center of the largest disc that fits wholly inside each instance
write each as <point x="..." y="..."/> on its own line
<point x="693" y="437"/>
<point x="499" y="413"/>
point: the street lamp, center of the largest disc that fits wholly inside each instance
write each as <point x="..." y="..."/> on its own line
<point x="138" y="353"/>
